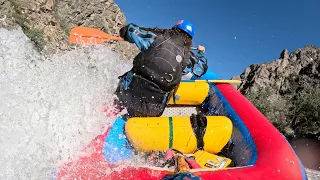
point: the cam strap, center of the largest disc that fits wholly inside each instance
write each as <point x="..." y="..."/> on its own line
<point x="182" y="162"/>
<point x="199" y="125"/>
<point x="173" y="95"/>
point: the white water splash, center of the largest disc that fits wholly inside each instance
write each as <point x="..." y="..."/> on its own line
<point x="50" y="108"/>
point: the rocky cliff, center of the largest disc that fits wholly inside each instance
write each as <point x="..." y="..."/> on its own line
<point x="48" y="22"/>
<point x="287" y="91"/>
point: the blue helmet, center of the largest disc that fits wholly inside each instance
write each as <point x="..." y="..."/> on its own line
<point x="186" y="26"/>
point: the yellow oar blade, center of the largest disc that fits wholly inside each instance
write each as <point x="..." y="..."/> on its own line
<point x="86" y="35"/>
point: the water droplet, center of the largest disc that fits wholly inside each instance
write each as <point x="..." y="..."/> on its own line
<point x="291" y="162"/>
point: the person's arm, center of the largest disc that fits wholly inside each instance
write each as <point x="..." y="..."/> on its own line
<point x="156" y="31"/>
<point x="140" y="36"/>
<point x="201" y="65"/>
<point x="202" y="58"/>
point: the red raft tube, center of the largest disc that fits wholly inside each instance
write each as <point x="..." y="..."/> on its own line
<point x="260" y="151"/>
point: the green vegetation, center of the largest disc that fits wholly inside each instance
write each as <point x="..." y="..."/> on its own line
<point x="259" y="101"/>
<point x="274" y="108"/>
<point x="294" y="116"/>
<point x="63" y="24"/>
<point x="306" y="111"/>
<point x="35" y="35"/>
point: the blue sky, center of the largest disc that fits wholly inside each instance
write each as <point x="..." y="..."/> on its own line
<point x="235" y="33"/>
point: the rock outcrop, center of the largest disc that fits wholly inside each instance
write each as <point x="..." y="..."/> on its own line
<point x="48" y="22"/>
<point x="287" y="91"/>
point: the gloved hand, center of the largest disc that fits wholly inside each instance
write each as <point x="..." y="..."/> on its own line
<point x="124" y="31"/>
<point x="201" y="48"/>
<point x="133" y="34"/>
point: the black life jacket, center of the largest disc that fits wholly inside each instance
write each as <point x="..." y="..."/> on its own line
<point x="163" y="62"/>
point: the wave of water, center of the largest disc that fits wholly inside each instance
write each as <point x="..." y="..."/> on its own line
<point x="50" y="107"/>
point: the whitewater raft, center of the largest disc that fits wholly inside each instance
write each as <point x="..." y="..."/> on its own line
<point x="259" y="150"/>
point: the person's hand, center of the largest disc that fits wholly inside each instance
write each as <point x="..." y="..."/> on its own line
<point x="201" y="48"/>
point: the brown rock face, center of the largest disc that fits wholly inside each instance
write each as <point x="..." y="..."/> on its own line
<point x="287" y="91"/>
<point x="104" y="15"/>
<point x="48" y="22"/>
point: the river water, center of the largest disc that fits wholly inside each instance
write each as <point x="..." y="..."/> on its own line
<point x="308" y="150"/>
<point x="50" y="107"/>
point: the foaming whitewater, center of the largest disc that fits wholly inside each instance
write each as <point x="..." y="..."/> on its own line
<point x="51" y="107"/>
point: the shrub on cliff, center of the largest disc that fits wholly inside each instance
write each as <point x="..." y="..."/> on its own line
<point x="294" y="117"/>
<point x="274" y="107"/>
<point x="305" y="112"/>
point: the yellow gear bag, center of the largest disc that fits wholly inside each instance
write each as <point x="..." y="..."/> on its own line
<point x="162" y="133"/>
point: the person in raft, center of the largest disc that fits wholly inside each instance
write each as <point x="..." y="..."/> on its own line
<point x="157" y="69"/>
<point x="164" y="60"/>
